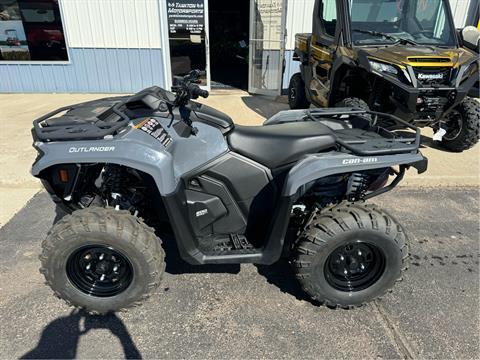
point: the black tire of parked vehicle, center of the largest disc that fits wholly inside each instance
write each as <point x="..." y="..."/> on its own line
<point x="336" y="229"/>
<point x="469" y="122"/>
<point x="353" y="102"/>
<point x="119" y="233"/>
<point x="297" y="99"/>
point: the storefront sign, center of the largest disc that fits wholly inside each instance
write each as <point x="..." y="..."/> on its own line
<point x="186" y="16"/>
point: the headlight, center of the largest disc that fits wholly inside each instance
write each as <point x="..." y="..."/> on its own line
<point x="383" y="68"/>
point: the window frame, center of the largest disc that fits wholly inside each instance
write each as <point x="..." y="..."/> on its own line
<point x="46" y="62"/>
<point x="326" y="38"/>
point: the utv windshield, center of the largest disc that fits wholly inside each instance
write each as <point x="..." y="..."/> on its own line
<point x="425" y="22"/>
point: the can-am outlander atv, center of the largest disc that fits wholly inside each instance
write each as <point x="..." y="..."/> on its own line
<point x="131" y="169"/>
<point x="402" y="57"/>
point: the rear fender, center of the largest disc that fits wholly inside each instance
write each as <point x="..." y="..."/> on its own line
<point x="317" y="166"/>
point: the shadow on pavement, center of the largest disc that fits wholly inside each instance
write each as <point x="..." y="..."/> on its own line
<point x="175" y="265"/>
<point x="59" y="339"/>
<point x="281" y="275"/>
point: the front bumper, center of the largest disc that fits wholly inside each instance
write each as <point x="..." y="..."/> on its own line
<point x="424" y="105"/>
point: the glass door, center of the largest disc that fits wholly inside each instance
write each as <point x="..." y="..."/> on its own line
<point x="187" y="32"/>
<point x="267" y="46"/>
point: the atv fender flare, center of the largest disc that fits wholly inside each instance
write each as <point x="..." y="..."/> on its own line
<point x="151" y="160"/>
<point x="317" y="166"/>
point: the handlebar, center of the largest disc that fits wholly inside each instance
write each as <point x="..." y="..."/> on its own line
<point x="196" y="91"/>
<point x="185" y="89"/>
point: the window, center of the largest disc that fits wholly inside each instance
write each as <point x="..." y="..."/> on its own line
<point x="31" y="30"/>
<point x="328" y="16"/>
<point x="388" y="21"/>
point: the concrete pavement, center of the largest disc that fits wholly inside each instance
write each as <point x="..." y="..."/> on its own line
<point x="18" y="110"/>
<point x="258" y="311"/>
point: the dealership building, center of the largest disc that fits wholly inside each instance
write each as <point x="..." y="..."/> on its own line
<point x="122" y="46"/>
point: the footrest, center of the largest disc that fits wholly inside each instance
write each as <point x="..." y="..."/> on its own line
<point x="235" y="244"/>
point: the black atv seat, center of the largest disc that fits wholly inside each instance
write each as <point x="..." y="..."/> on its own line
<point x="281" y="144"/>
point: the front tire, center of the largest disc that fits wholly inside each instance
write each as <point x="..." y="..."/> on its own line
<point x="353" y="102"/>
<point x="297" y="99"/>
<point x="350" y="254"/>
<point x="102" y="260"/>
<point x="464" y="125"/>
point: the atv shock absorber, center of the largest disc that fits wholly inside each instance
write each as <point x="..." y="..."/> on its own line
<point x="114" y="183"/>
<point x="357" y="186"/>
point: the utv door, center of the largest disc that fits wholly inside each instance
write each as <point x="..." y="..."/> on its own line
<point x="322" y="47"/>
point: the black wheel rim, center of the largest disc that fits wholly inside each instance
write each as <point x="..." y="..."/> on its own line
<point x="454" y="123"/>
<point x="354" y="266"/>
<point x="99" y="270"/>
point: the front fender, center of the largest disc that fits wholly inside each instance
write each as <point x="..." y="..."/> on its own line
<point x="137" y="151"/>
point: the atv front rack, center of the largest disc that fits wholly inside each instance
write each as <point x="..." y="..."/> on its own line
<point x="104" y="118"/>
<point x="366" y="137"/>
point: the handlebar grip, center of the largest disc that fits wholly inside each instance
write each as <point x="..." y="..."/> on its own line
<point x="196" y="91"/>
<point x="203" y="93"/>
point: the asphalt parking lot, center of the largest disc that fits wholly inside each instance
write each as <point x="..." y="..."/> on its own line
<point x="253" y="312"/>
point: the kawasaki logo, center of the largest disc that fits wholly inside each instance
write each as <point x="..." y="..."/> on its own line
<point x="422" y="76"/>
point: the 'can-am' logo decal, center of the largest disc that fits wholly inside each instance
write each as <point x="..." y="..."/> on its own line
<point x="355" y="161"/>
<point x="422" y="76"/>
<point x="82" y="149"/>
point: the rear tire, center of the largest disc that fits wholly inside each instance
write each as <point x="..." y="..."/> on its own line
<point x="297" y="99"/>
<point x="350" y="254"/>
<point x="95" y="242"/>
<point x="465" y="123"/>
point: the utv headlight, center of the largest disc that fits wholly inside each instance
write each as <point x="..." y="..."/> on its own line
<point x="383" y="68"/>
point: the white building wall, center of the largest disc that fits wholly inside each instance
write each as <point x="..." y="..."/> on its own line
<point x="113" y="23"/>
<point x="460" y="11"/>
<point x="299" y="19"/>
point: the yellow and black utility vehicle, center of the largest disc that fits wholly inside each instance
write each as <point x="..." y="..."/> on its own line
<point x="403" y="57"/>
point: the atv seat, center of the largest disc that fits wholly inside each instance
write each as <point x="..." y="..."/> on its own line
<point x="281" y="144"/>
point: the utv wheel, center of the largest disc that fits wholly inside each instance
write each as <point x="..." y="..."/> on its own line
<point x="354" y="103"/>
<point x="464" y="125"/>
<point x="297" y="99"/>
<point x="102" y="260"/>
<point x="350" y="254"/>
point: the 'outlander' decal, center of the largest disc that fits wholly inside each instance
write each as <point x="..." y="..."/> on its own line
<point x="83" y="149"/>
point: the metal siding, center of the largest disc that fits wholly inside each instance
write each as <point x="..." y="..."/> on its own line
<point x="291" y="67"/>
<point x="460" y="11"/>
<point x="113" y="23"/>
<point x="299" y="19"/>
<point x="90" y="70"/>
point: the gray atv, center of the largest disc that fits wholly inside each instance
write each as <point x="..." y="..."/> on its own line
<point x="133" y="170"/>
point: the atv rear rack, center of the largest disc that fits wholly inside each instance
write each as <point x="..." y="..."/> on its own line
<point x="366" y="137"/>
